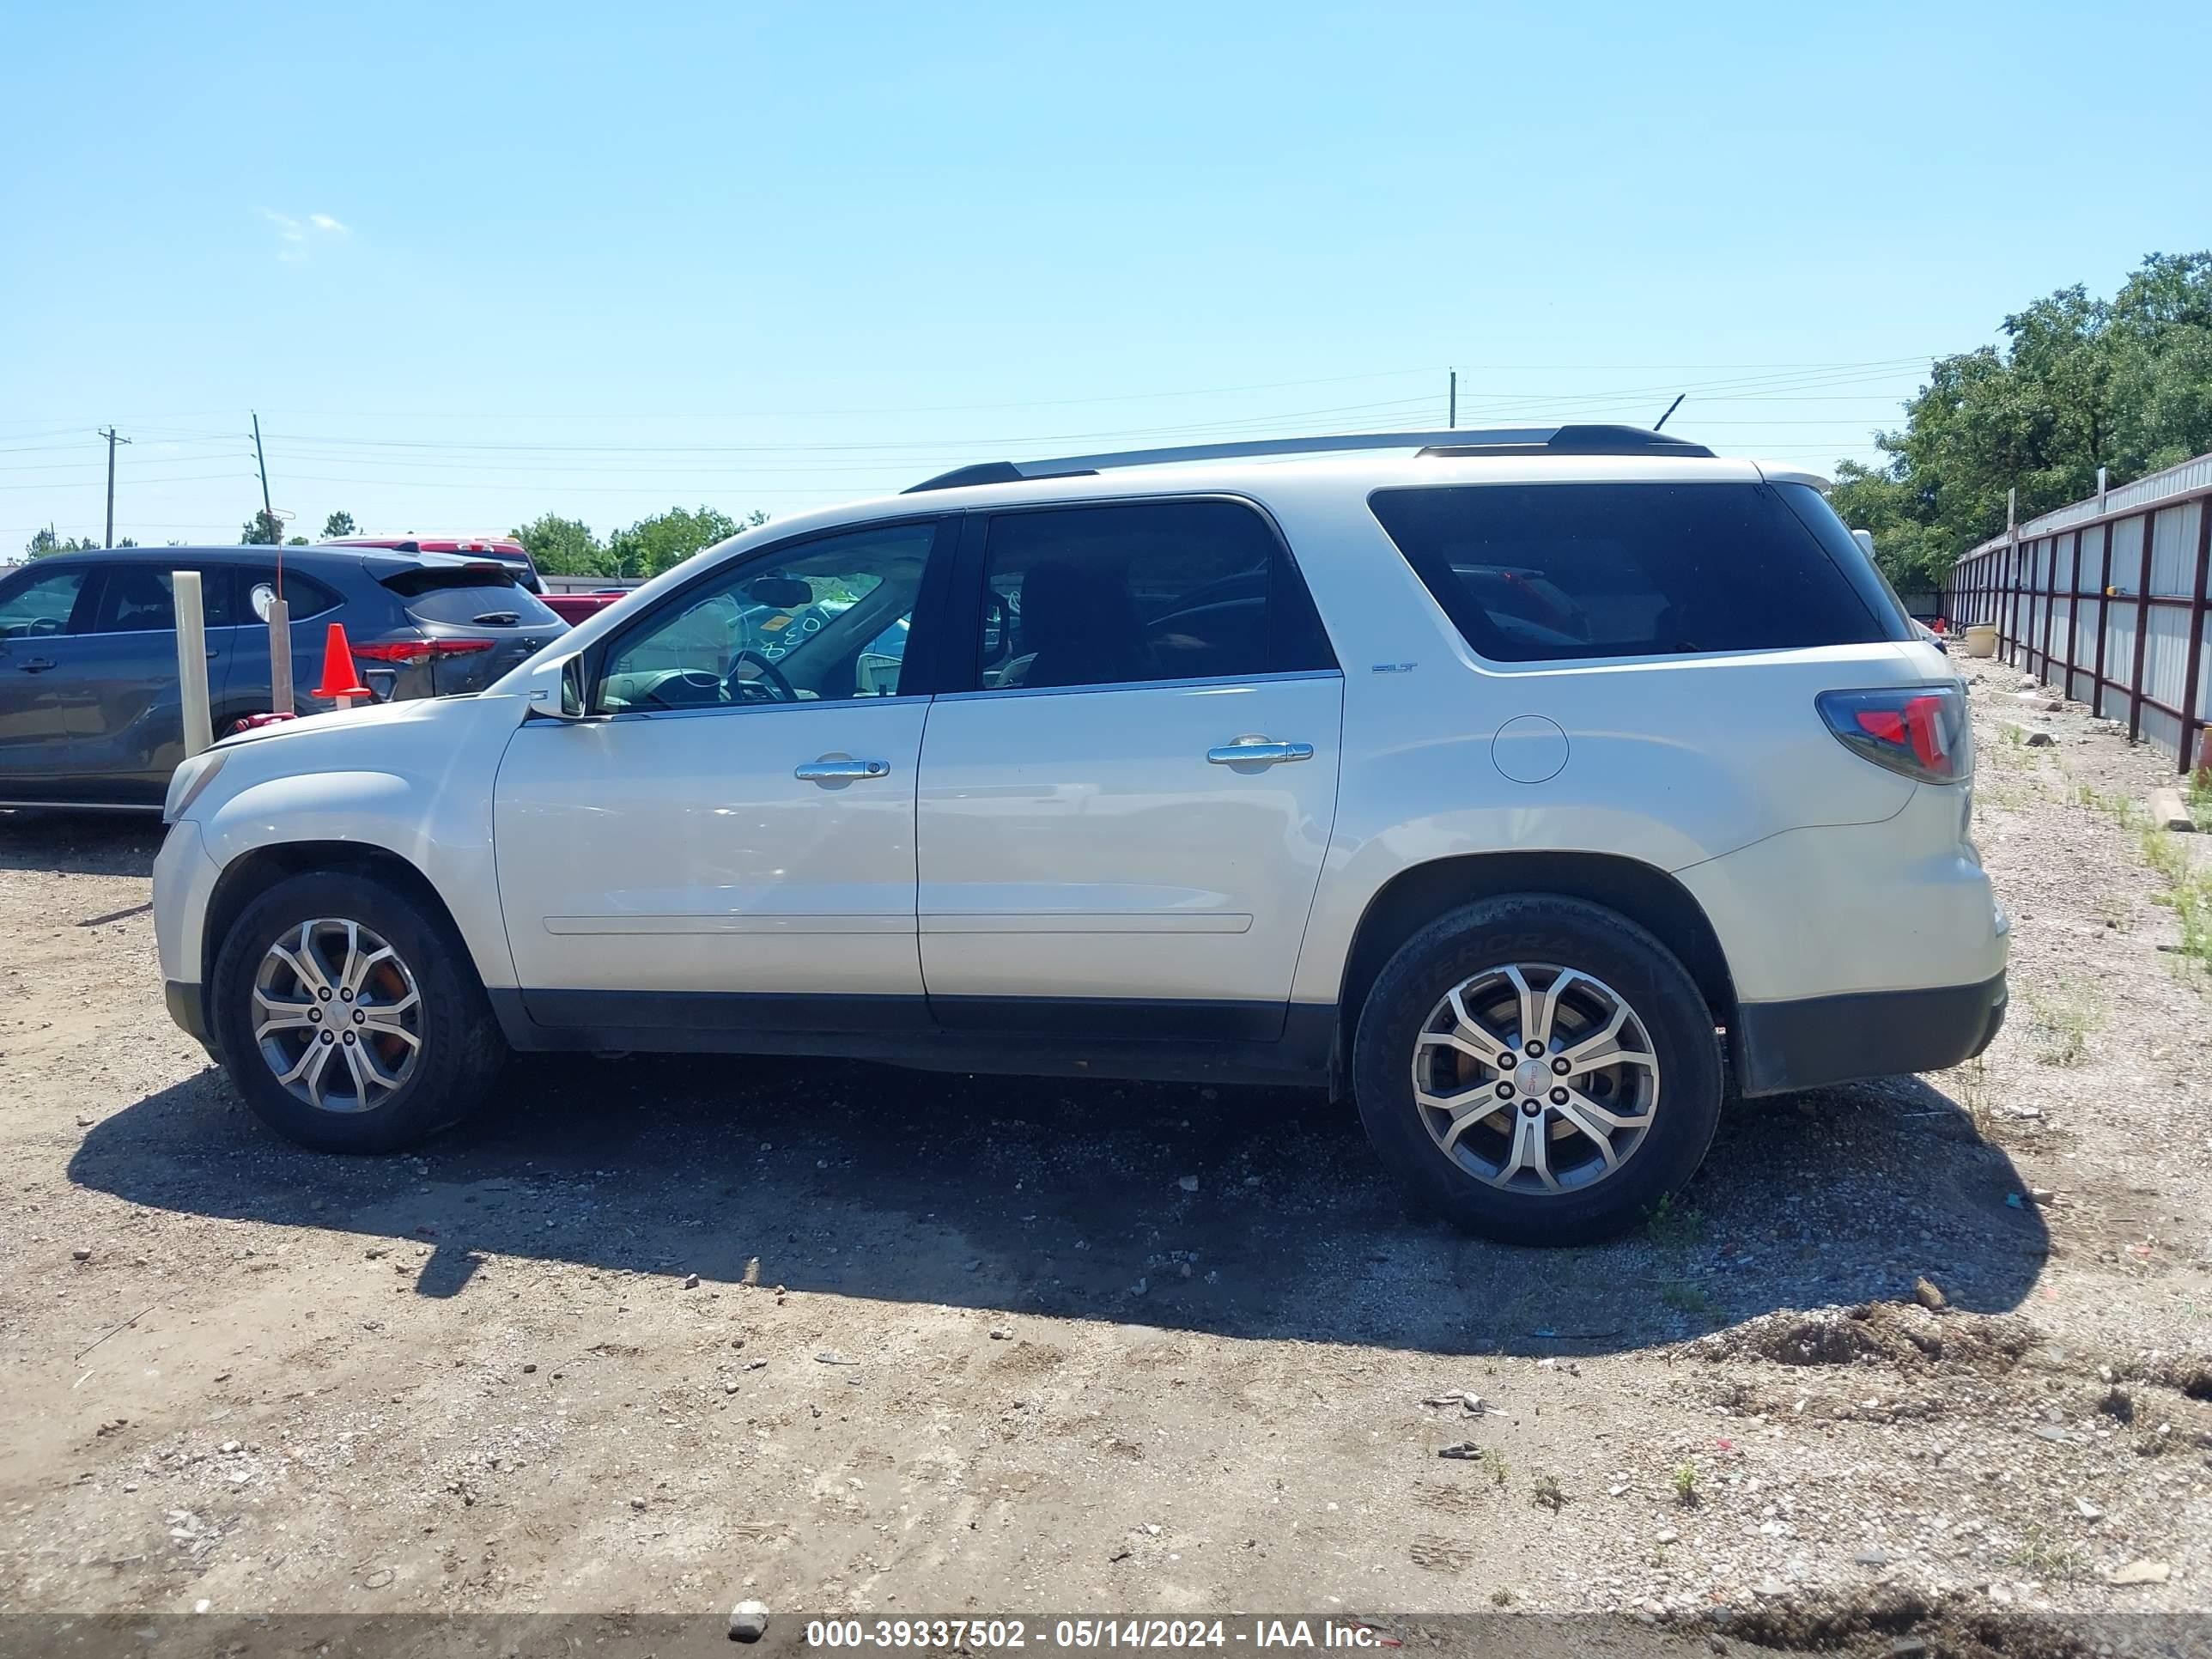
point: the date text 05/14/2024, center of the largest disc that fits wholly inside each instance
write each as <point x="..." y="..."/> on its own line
<point x="1016" y="1634"/>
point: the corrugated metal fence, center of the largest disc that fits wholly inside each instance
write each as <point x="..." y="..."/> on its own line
<point x="2105" y="600"/>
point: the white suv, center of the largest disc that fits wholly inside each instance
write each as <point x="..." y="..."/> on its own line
<point x="1534" y="788"/>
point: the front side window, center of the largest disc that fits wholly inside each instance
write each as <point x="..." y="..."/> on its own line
<point x="825" y="620"/>
<point x="41" y="605"/>
<point x="1533" y="573"/>
<point x="1146" y="591"/>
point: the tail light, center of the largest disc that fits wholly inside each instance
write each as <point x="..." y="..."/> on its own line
<point x="1921" y="731"/>
<point x="419" y="651"/>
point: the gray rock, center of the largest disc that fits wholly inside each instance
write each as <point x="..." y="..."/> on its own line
<point x="2140" y="1572"/>
<point x="1871" y="1558"/>
<point x="2169" y="811"/>
<point x="748" y="1621"/>
<point x="378" y="1579"/>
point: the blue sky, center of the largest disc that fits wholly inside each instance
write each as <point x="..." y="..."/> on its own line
<point x="471" y="264"/>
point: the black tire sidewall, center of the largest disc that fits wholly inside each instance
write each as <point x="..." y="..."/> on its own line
<point x="1571" y="934"/>
<point x="459" y="1045"/>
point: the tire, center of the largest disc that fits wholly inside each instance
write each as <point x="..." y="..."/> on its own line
<point x="1610" y="962"/>
<point x="390" y="1094"/>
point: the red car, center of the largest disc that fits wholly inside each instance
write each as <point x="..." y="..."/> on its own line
<point x="571" y="608"/>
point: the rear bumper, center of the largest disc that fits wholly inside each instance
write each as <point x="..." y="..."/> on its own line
<point x="1812" y="1040"/>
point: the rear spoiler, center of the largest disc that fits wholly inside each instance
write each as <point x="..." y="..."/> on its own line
<point x="409" y="577"/>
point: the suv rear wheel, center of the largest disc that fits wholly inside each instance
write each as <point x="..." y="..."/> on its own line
<point x="1542" y="1070"/>
<point x="350" y="1020"/>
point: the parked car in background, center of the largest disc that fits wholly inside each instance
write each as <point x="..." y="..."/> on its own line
<point x="571" y="608"/>
<point x="90" y="714"/>
<point x="1531" y="788"/>
<point x="505" y="548"/>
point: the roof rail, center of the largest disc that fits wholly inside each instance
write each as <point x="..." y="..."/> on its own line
<point x="1499" y="441"/>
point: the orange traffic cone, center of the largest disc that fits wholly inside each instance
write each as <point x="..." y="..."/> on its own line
<point x="340" y="682"/>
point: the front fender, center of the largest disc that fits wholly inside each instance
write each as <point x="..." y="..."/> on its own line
<point x="420" y="790"/>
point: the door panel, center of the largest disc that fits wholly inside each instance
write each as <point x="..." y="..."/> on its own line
<point x="1080" y="844"/>
<point x="730" y="841"/>
<point x="37" y="660"/>
<point x="679" y="852"/>
<point x="124" y="712"/>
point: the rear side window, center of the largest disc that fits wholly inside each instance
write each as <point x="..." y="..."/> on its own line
<point x="1536" y="573"/>
<point x="134" y="598"/>
<point x="1819" y="518"/>
<point x="140" y="598"/>
<point x="480" y="605"/>
<point x="1141" y="591"/>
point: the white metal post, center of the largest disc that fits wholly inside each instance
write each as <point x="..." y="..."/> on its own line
<point x="191" y="659"/>
<point x="280" y="657"/>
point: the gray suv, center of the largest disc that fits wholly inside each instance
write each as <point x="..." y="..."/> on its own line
<point x="89" y="711"/>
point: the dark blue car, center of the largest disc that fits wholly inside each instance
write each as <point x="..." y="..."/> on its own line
<point x="89" y="710"/>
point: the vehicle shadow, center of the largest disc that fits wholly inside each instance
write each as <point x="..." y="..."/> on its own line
<point x="1076" y="1198"/>
<point x="49" y="839"/>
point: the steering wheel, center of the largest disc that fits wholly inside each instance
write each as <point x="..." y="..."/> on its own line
<point x="778" y="687"/>
<point x="692" y="679"/>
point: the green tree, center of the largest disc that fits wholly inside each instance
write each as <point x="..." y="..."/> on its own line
<point x="338" y="524"/>
<point x="45" y="543"/>
<point x="564" y="547"/>
<point x="2080" y="383"/>
<point x="666" y="539"/>
<point x="295" y="541"/>
<point x="263" y="530"/>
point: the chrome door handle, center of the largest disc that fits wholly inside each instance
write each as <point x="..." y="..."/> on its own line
<point x="1259" y="751"/>
<point x="37" y="665"/>
<point x="841" y="771"/>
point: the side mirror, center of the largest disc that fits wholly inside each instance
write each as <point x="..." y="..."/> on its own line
<point x="558" y="692"/>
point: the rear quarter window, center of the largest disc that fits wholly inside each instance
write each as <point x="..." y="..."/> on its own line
<point x="1536" y="573"/>
<point x="304" y="596"/>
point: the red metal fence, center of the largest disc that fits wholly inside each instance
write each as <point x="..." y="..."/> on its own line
<point x="2106" y="600"/>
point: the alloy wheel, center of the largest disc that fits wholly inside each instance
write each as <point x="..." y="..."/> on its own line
<point x="337" y="1016"/>
<point x="1535" y="1079"/>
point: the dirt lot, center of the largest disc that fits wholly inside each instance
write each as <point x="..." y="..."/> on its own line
<point x="655" y="1335"/>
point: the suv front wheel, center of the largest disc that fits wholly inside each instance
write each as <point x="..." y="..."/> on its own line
<point x="1540" y="1069"/>
<point x="350" y="1019"/>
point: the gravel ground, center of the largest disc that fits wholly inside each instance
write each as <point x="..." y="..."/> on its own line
<point x="657" y="1336"/>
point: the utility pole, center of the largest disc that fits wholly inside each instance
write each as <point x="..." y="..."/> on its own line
<point x="1451" y="414"/>
<point x="268" y="516"/>
<point x="109" y="433"/>
<point x="280" y="614"/>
